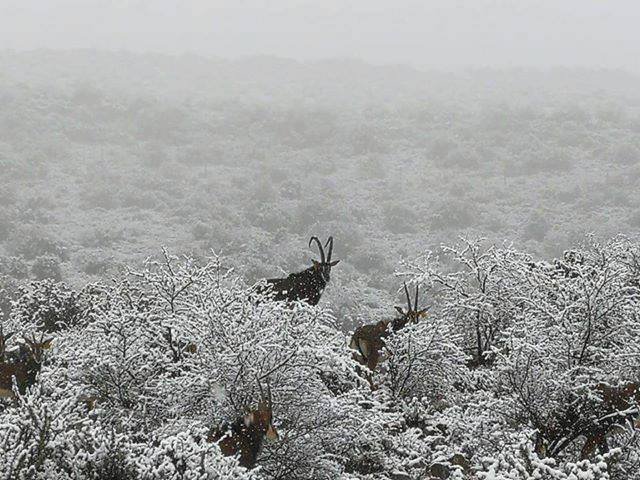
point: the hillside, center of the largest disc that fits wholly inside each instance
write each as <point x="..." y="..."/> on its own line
<point x="105" y="156"/>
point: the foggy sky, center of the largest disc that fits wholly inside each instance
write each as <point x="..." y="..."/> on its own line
<point x="430" y="33"/>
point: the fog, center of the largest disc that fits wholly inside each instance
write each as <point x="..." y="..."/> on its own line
<point x="436" y="34"/>
<point x="248" y="126"/>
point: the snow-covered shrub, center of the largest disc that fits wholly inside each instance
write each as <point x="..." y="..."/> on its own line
<point x="50" y="306"/>
<point x="425" y="360"/>
<point x="9" y="292"/>
<point x="518" y="461"/>
<point x="45" y="435"/>
<point x="506" y="378"/>
<point x="552" y="340"/>
<point x="184" y="457"/>
<point x="177" y="349"/>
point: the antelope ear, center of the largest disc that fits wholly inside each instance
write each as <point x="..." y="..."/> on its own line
<point x="47" y="343"/>
<point x="316" y="264"/>
<point x="422" y="313"/>
<point x="272" y="433"/>
<point x="399" y="310"/>
<point x="333" y="264"/>
<point x="249" y="419"/>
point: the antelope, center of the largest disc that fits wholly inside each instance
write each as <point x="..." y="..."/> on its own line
<point x="619" y="406"/>
<point x="25" y="369"/>
<point x="368" y="340"/>
<point x="307" y="285"/>
<point x="592" y="419"/>
<point x="244" y="437"/>
<point x="3" y="344"/>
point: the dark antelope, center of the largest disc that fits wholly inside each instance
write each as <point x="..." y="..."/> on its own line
<point x="244" y="437"/>
<point x="3" y="345"/>
<point x="613" y="410"/>
<point x="618" y="406"/>
<point x="307" y="285"/>
<point x="368" y="340"/>
<point x="26" y="369"/>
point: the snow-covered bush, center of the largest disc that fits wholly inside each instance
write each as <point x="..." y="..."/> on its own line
<point x="553" y="343"/>
<point x="185" y="457"/>
<point x="50" y="306"/>
<point x="509" y="376"/>
<point x="175" y="350"/>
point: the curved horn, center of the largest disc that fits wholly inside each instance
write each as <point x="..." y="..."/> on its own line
<point x="322" y="258"/>
<point x="270" y="403"/>
<point x="406" y="291"/>
<point x="262" y="397"/>
<point x="330" y="243"/>
<point x="415" y="309"/>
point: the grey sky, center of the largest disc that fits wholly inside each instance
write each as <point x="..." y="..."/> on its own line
<point x="431" y="33"/>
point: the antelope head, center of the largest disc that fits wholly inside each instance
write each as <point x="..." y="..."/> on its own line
<point x="25" y="369"/>
<point x="33" y="349"/>
<point x="325" y="263"/>
<point x="262" y="417"/>
<point x="244" y="438"/>
<point x="412" y="314"/>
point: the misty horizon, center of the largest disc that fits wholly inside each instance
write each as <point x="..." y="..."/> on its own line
<point x="432" y="35"/>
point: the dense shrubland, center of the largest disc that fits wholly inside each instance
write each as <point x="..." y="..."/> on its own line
<point x="510" y="376"/>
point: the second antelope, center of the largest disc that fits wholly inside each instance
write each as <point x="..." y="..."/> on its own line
<point x="619" y="407"/>
<point x="368" y="340"/>
<point x="244" y="437"/>
<point x="606" y="411"/>
<point x="25" y="369"/>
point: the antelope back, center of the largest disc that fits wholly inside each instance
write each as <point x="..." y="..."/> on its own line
<point x="619" y="397"/>
<point x="244" y="438"/>
<point x="370" y="333"/>
<point x="614" y="399"/>
<point x="239" y="441"/>
<point x="368" y="341"/>
<point x="9" y="371"/>
<point x="3" y="344"/>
